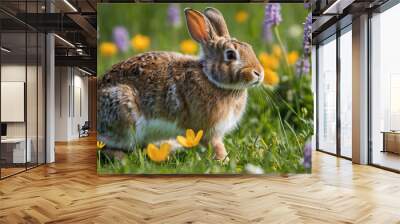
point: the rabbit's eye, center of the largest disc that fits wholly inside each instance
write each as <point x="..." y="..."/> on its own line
<point x="230" y="55"/>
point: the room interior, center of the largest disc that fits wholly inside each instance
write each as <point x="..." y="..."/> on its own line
<point x="27" y="107"/>
<point x="51" y="92"/>
<point x="385" y="88"/>
<point x="22" y="101"/>
<point x="335" y="68"/>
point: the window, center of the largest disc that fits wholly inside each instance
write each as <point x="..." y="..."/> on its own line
<point x="346" y="75"/>
<point x="385" y="89"/>
<point x="22" y="101"/>
<point x="327" y="96"/>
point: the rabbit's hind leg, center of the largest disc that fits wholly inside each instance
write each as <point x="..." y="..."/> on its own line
<point x="117" y="114"/>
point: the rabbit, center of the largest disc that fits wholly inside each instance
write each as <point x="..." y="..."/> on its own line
<point x="208" y="92"/>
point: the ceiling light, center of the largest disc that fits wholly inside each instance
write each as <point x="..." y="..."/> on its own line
<point x="64" y="40"/>
<point x="329" y="9"/>
<point x="5" y="50"/>
<point x="337" y="7"/>
<point x="84" y="71"/>
<point x="80" y="51"/>
<point x="70" y="5"/>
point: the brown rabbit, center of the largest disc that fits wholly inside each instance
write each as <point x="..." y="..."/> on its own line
<point x="166" y="88"/>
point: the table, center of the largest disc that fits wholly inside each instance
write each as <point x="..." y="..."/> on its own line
<point x="13" y="150"/>
<point x="391" y="141"/>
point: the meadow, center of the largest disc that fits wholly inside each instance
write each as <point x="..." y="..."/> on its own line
<point x="278" y="122"/>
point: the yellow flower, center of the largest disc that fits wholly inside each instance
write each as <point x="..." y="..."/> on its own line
<point x="276" y="51"/>
<point x="100" y="145"/>
<point x="271" y="77"/>
<point x="268" y="61"/>
<point x="188" y="47"/>
<point x="108" y="49"/>
<point x="140" y="42"/>
<point x="191" y="139"/>
<point x="158" y="155"/>
<point x="241" y="16"/>
<point x="292" y="57"/>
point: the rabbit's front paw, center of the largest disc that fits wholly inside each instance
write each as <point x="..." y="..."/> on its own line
<point x="219" y="149"/>
<point x="223" y="159"/>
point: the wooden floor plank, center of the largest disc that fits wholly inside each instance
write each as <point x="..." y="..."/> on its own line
<point x="70" y="191"/>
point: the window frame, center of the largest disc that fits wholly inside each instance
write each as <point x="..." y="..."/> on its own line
<point x="381" y="9"/>
<point x="31" y="30"/>
<point x="346" y="27"/>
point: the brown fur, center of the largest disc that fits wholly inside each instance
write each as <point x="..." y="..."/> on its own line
<point x="197" y="93"/>
<point x="193" y="90"/>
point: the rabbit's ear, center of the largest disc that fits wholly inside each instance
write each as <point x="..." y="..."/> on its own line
<point x="217" y="20"/>
<point x="199" y="27"/>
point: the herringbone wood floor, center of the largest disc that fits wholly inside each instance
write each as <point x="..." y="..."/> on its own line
<point x="70" y="191"/>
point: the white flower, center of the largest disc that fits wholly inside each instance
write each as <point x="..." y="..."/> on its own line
<point x="295" y="31"/>
<point x="253" y="169"/>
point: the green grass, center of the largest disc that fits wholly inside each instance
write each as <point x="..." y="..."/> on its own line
<point x="262" y="139"/>
<point x="277" y="122"/>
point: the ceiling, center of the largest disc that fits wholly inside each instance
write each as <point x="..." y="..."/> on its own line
<point x="74" y="22"/>
<point x="332" y="15"/>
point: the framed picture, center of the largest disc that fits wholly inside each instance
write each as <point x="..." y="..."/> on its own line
<point x="204" y="88"/>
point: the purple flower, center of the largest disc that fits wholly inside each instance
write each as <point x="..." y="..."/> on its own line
<point x="121" y="38"/>
<point x="307" y="35"/>
<point x="307" y="4"/>
<point x="273" y="14"/>
<point x="174" y="16"/>
<point x="272" y="17"/>
<point x="307" y="155"/>
<point x="303" y="66"/>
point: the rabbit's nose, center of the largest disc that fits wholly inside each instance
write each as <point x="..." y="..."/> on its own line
<point x="256" y="73"/>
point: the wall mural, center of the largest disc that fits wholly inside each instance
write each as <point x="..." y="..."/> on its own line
<point x="204" y="89"/>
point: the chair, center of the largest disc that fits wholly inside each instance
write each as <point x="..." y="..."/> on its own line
<point x="84" y="130"/>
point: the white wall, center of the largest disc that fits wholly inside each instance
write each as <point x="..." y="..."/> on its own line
<point x="13" y="101"/>
<point x="71" y="94"/>
<point x="33" y="127"/>
<point x="80" y="110"/>
<point x="16" y="73"/>
<point x="62" y="81"/>
<point x="12" y="73"/>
